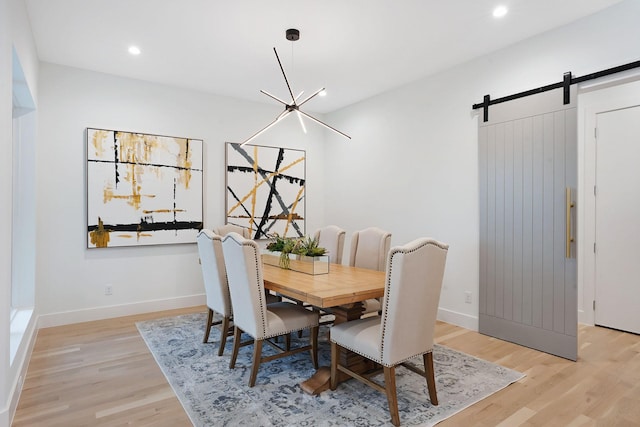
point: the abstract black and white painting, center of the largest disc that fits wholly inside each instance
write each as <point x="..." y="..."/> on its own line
<point x="142" y="189"/>
<point x="266" y="190"/>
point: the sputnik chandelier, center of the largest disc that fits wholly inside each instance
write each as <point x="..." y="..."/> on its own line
<point x="292" y="35"/>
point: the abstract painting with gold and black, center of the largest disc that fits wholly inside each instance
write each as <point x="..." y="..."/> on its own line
<point x="142" y="189"/>
<point x="266" y="190"/>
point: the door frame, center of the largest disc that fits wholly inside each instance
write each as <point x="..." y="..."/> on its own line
<point x="602" y="96"/>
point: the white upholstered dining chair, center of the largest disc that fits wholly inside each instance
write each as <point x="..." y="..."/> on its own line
<point x="331" y="238"/>
<point x="216" y="288"/>
<point x="414" y="275"/>
<point x="369" y="249"/>
<point x="252" y="315"/>
<point x="223" y="230"/>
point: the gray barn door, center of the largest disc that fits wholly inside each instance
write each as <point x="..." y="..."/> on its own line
<point x="528" y="176"/>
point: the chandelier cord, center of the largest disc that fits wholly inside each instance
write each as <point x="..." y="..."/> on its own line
<point x="292" y="67"/>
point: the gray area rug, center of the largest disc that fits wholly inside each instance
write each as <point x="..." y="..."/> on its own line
<point x="214" y="395"/>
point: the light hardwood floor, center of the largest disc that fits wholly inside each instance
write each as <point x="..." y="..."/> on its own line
<point x="101" y="373"/>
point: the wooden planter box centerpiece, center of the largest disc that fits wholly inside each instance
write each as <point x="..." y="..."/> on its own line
<point x="301" y="263"/>
<point x="302" y="254"/>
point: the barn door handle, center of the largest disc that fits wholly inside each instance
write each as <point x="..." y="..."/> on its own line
<point x="569" y="237"/>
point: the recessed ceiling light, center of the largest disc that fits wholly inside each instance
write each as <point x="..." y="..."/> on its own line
<point x="322" y="93"/>
<point x="134" y="50"/>
<point x="500" y="11"/>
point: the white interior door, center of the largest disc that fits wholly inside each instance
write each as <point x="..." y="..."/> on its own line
<point x="617" y="259"/>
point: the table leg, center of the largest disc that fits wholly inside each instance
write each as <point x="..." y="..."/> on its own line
<point x="320" y="381"/>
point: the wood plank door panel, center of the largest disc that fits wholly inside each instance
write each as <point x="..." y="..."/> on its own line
<point x="528" y="287"/>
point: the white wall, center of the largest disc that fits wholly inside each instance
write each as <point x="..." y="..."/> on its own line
<point x="71" y="278"/>
<point x="24" y="211"/>
<point x="24" y="44"/>
<point x="15" y="32"/>
<point x="5" y="205"/>
<point x="411" y="167"/>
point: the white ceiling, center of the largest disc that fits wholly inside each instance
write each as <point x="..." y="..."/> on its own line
<point x="354" y="48"/>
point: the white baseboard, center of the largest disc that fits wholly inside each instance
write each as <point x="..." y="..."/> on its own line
<point x="22" y="358"/>
<point x="586" y="318"/>
<point x="99" y="313"/>
<point x="459" y="319"/>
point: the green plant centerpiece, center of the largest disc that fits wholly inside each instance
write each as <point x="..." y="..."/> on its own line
<point x="303" y="246"/>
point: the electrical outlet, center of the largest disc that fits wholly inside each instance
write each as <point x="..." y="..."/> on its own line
<point x="108" y="290"/>
<point x="467" y="297"/>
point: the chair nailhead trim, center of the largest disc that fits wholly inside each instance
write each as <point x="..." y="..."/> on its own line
<point x="380" y="359"/>
<point x="388" y="289"/>
<point x="260" y="291"/>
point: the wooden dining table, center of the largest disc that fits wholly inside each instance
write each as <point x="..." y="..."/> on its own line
<point x="341" y="291"/>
